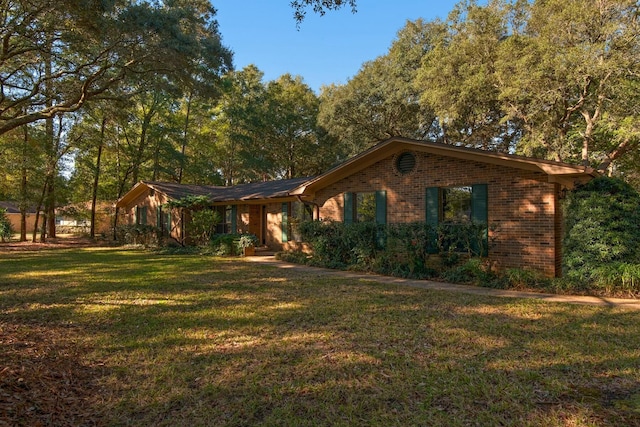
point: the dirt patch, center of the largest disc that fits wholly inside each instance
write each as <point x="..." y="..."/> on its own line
<point x="44" y="380"/>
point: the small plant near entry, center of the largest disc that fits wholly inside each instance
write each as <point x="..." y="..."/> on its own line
<point x="6" y="230"/>
<point x="232" y="244"/>
<point x="246" y="242"/>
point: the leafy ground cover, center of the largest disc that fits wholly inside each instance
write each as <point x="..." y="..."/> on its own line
<point x="106" y="336"/>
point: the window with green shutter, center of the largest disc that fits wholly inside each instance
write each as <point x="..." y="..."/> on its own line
<point x="458" y="205"/>
<point x="365" y="207"/>
<point x="285" y="222"/>
<point x="141" y="215"/>
<point x="348" y="208"/>
<point x="234" y="219"/>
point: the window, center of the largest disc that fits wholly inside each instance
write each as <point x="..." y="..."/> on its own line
<point x="300" y="212"/>
<point x="227" y="216"/>
<point x="366" y="207"/>
<point x="141" y="215"/>
<point x="459" y="205"/>
<point x="456" y="204"/>
<point x="163" y="220"/>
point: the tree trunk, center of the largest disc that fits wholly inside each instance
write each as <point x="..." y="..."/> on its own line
<point x="49" y="221"/>
<point x="96" y="179"/>
<point x="23" y="187"/>
<point x="185" y="138"/>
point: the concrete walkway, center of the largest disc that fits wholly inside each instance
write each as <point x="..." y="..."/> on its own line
<point x="633" y="304"/>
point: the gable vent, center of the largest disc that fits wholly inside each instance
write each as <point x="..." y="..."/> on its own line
<point x="405" y="163"/>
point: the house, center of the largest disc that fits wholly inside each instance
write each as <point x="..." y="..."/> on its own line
<point x="397" y="181"/>
<point x="15" y="216"/>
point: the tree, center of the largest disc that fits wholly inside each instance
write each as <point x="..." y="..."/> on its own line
<point x="237" y="120"/>
<point x="57" y="56"/>
<point x="319" y="6"/>
<point x="291" y="112"/>
<point x="579" y="64"/>
<point x="458" y="80"/>
<point x="381" y="100"/>
<point x="22" y="161"/>
<point x="553" y="79"/>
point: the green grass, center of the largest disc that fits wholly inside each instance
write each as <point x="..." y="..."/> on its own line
<point x="166" y="340"/>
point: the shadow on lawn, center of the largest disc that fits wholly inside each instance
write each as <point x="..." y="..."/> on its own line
<point x="190" y="341"/>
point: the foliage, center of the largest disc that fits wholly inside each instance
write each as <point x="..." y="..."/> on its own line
<point x="473" y="271"/>
<point x="198" y="340"/>
<point x="203" y="225"/>
<point x="6" y="232"/>
<point x="339" y="245"/>
<point x="94" y="47"/>
<point x="247" y="240"/>
<point x="319" y="6"/>
<point x="398" y="249"/>
<point x="602" y="231"/>
<point x="381" y="100"/>
<point x="504" y="77"/>
<point x="138" y="234"/>
<point x="269" y="130"/>
<point x="231" y="244"/>
<point x="450" y="253"/>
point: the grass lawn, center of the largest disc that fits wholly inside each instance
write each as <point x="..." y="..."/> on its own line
<point x="119" y="337"/>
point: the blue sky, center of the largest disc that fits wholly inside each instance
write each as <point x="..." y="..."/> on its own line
<point x="325" y="49"/>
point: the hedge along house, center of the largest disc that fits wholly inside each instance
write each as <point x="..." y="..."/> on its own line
<point x="399" y="181"/>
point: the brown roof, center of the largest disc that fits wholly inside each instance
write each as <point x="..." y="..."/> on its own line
<point x="13" y="208"/>
<point x="237" y="193"/>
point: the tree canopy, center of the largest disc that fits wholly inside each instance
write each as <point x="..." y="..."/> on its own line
<point x="125" y="90"/>
<point x="57" y="56"/>
<point x="547" y="78"/>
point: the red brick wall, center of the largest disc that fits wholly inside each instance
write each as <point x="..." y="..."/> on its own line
<point x="522" y="204"/>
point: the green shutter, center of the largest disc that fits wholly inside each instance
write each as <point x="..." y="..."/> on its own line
<point x="285" y="222"/>
<point x="348" y="208"/>
<point x="143" y="215"/>
<point x="432" y="213"/>
<point x="159" y="217"/>
<point x="234" y="219"/>
<point x="480" y="214"/>
<point x="381" y="218"/>
<point x="381" y="207"/>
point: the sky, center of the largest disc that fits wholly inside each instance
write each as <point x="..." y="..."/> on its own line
<point x="324" y="49"/>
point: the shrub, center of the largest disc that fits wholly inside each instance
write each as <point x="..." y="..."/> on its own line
<point x="602" y="230"/>
<point x="474" y="271"/>
<point x="224" y="244"/>
<point x="397" y="249"/>
<point x="203" y="225"/>
<point x="519" y="278"/>
<point x="137" y="234"/>
<point x="5" y="226"/>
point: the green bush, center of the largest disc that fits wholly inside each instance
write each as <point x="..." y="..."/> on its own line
<point x="137" y="234"/>
<point x="602" y="231"/>
<point x="474" y="271"/>
<point x="202" y="226"/>
<point x="397" y="249"/>
<point x="224" y="244"/>
<point x="5" y="226"/>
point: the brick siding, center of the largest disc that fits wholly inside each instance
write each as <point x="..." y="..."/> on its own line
<point x="523" y="206"/>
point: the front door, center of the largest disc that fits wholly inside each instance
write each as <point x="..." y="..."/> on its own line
<point x="255" y="221"/>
